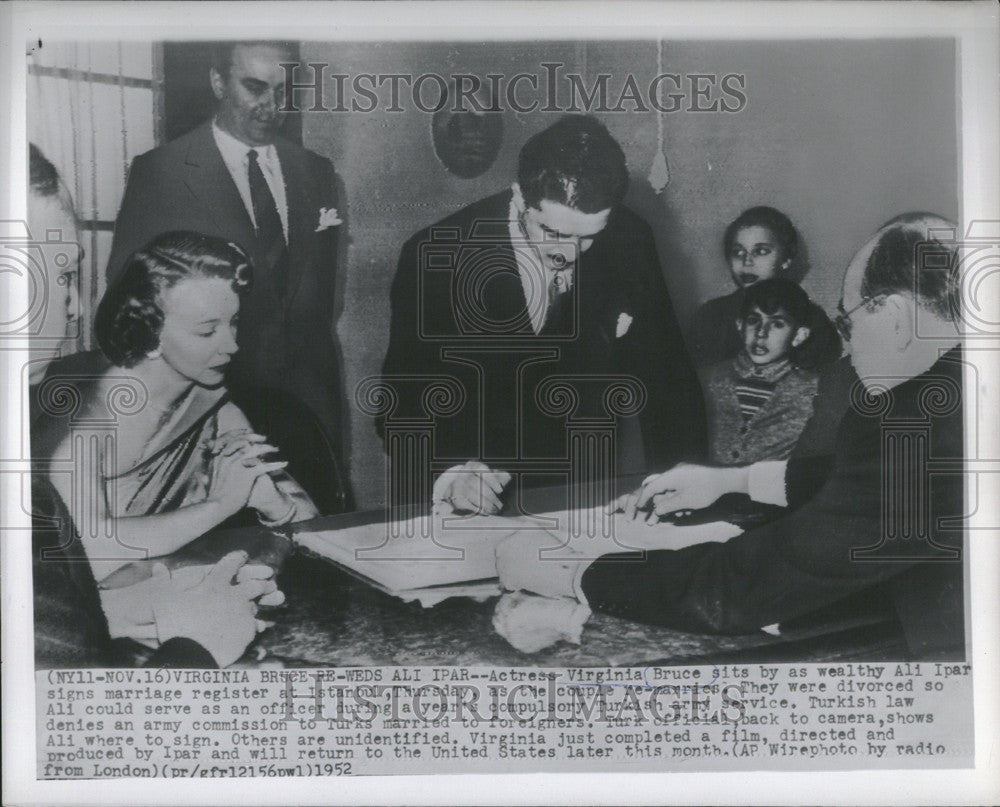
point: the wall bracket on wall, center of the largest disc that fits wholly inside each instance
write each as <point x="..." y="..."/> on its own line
<point x="659" y="174"/>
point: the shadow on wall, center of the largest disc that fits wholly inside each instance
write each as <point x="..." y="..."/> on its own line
<point x="679" y="266"/>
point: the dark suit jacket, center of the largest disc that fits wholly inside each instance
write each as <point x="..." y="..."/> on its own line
<point x="285" y="338"/>
<point x="833" y="399"/>
<point x="803" y="561"/>
<point x="459" y="310"/>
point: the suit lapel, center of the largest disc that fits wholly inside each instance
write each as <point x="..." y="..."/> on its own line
<point x="506" y="301"/>
<point x="511" y="304"/>
<point x="209" y="181"/>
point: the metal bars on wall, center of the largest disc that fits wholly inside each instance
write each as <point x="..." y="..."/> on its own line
<point x="91" y="110"/>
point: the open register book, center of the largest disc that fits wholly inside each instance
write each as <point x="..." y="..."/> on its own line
<point x="431" y="558"/>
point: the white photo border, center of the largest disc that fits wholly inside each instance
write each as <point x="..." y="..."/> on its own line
<point x="974" y="25"/>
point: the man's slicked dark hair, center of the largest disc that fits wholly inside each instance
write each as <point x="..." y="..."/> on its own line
<point x="775" y="293"/>
<point x="909" y="258"/>
<point x="222" y="52"/>
<point x="42" y="174"/>
<point x="575" y="162"/>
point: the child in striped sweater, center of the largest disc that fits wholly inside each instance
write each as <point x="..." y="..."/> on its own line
<point x="759" y="402"/>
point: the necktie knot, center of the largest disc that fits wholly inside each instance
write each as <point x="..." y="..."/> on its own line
<point x="556" y="311"/>
<point x="265" y="211"/>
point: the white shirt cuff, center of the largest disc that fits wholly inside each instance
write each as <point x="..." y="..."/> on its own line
<point x="766" y="482"/>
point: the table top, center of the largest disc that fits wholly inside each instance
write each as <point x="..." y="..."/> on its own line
<point x="331" y="618"/>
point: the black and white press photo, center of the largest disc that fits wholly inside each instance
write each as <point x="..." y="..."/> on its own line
<point x="478" y="393"/>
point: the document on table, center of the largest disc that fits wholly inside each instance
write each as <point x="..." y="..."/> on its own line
<point x="433" y="557"/>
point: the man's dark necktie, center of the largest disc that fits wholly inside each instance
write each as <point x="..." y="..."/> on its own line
<point x="558" y="315"/>
<point x="270" y="236"/>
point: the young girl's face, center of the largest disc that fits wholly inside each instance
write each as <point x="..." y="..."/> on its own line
<point x="755" y="254"/>
<point x="769" y="338"/>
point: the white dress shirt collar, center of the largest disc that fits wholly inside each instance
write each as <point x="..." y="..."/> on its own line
<point x="535" y="279"/>
<point x="234" y="154"/>
<point x="236" y="151"/>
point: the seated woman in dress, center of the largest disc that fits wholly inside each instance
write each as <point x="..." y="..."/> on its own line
<point x="157" y="453"/>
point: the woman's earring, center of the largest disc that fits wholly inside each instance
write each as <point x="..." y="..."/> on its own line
<point x="154" y="354"/>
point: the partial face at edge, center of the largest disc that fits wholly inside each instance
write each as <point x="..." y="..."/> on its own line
<point x="61" y="311"/>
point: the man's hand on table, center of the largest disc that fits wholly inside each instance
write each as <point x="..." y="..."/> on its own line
<point x="470" y="488"/>
<point x="215" y="606"/>
<point x="683" y="488"/>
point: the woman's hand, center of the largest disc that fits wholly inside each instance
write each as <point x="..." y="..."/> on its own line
<point x="233" y="440"/>
<point x="235" y="470"/>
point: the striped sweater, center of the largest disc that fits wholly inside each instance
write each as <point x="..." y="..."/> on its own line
<point x="755" y="413"/>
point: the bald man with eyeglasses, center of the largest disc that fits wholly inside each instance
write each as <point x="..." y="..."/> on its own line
<point x="875" y="524"/>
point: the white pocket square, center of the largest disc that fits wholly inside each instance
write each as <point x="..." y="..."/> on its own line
<point x="624" y="323"/>
<point x="328" y="218"/>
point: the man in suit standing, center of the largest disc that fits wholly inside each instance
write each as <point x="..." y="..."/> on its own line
<point x="233" y="177"/>
<point x="542" y="309"/>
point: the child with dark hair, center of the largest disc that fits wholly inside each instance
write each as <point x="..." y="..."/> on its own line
<point x="759" y="402"/>
<point x="761" y="243"/>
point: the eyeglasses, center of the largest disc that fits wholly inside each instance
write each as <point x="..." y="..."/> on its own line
<point x="843" y="319"/>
